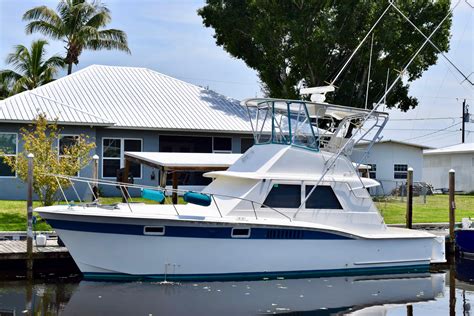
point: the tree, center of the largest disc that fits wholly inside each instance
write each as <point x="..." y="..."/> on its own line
<point x="41" y="140"/>
<point x="31" y="69"/>
<point x="6" y="85"/>
<point x="78" y="23"/>
<point x="293" y="42"/>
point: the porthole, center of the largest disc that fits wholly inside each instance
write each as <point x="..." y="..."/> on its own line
<point x="154" y="230"/>
<point x="240" y="232"/>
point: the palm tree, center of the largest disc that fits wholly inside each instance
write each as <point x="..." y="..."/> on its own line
<point x="31" y="70"/>
<point x="78" y="23"/>
<point x="6" y="85"/>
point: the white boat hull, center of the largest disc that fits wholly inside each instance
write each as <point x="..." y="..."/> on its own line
<point x="122" y="252"/>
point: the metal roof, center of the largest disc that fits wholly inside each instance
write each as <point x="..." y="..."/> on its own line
<point x="465" y="148"/>
<point x="127" y="98"/>
<point x="396" y="142"/>
<point x="185" y="160"/>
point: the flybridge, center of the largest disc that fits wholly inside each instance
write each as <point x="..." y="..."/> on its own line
<point x="313" y="125"/>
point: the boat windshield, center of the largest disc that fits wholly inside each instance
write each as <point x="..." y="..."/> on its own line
<point x="283" y="122"/>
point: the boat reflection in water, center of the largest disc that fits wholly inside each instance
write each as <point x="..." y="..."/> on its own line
<point x="326" y="296"/>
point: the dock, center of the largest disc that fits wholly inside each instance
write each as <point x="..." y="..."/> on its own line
<point x="16" y="250"/>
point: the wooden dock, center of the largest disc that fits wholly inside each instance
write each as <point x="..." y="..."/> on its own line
<point x="16" y="250"/>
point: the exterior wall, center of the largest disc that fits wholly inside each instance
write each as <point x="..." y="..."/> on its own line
<point x="150" y="143"/>
<point x="385" y="156"/>
<point x="15" y="188"/>
<point x="436" y="168"/>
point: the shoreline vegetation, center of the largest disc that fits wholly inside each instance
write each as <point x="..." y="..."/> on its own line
<point x="435" y="210"/>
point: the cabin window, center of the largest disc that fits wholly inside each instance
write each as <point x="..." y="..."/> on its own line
<point x="113" y="150"/>
<point x="8" y="147"/>
<point x="240" y="232"/>
<point x="222" y="145"/>
<point x="322" y="198"/>
<point x="400" y="171"/>
<point x="284" y="196"/>
<point x="154" y="230"/>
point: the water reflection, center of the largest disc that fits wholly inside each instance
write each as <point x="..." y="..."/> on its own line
<point x="409" y="294"/>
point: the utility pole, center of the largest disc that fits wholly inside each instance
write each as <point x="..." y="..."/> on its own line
<point x="463" y="120"/>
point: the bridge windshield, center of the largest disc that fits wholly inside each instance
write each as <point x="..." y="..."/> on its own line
<point x="283" y="122"/>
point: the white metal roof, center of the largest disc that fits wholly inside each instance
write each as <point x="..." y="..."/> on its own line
<point x="127" y="97"/>
<point x="395" y="142"/>
<point x="186" y="160"/>
<point x="456" y="149"/>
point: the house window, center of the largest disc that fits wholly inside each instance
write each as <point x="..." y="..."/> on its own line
<point x="66" y="141"/>
<point x="373" y="171"/>
<point x="245" y="144"/>
<point x="400" y="171"/>
<point x="323" y="197"/>
<point x="222" y="145"/>
<point x="185" y="144"/>
<point x="113" y="150"/>
<point x="284" y="196"/>
<point x="8" y="147"/>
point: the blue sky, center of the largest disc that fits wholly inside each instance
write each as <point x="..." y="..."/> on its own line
<point x="168" y="36"/>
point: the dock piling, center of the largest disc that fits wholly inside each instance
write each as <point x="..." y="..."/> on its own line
<point x="95" y="176"/>
<point x="452" y="208"/>
<point x="409" y="214"/>
<point x="29" y="210"/>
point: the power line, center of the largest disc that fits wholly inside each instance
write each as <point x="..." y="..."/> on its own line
<point x="440" y="130"/>
<point x="427" y="118"/>
<point x="438" y="97"/>
<point x="416" y="129"/>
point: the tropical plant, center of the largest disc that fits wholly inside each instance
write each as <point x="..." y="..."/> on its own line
<point x="293" y="42"/>
<point x="30" y="68"/>
<point x="41" y="139"/>
<point x="6" y="85"/>
<point x="78" y="23"/>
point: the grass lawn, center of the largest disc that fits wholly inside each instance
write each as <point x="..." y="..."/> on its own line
<point x="434" y="211"/>
<point x="13" y="213"/>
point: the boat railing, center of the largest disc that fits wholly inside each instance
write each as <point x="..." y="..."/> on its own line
<point x="93" y="184"/>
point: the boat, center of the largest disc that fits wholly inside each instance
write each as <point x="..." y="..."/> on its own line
<point x="464" y="238"/>
<point x="293" y="205"/>
<point x="355" y="295"/>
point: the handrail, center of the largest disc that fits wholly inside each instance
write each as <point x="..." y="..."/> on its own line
<point x="164" y="190"/>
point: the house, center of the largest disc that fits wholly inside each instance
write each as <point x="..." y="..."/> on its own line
<point x="389" y="161"/>
<point x="125" y="109"/>
<point x="438" y="162"/>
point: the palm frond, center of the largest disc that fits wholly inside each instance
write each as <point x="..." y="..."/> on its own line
<point x="107" y="44"/>
<point x="42" y="13"/>
<point x="98" y="20"/>
<point x="48" y="29"/>
<point x="19" y="56"/>
<point x="9" y="75"/>
<point x="21" y="84"/>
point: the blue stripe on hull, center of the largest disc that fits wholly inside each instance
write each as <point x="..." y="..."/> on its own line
<point x="255" y="275"/>
<point x="195" y="231"/>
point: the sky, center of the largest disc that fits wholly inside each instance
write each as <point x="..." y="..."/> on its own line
<point x="169" y="37"/>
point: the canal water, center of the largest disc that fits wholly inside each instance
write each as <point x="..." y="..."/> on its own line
<point x="430" y="293"/>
